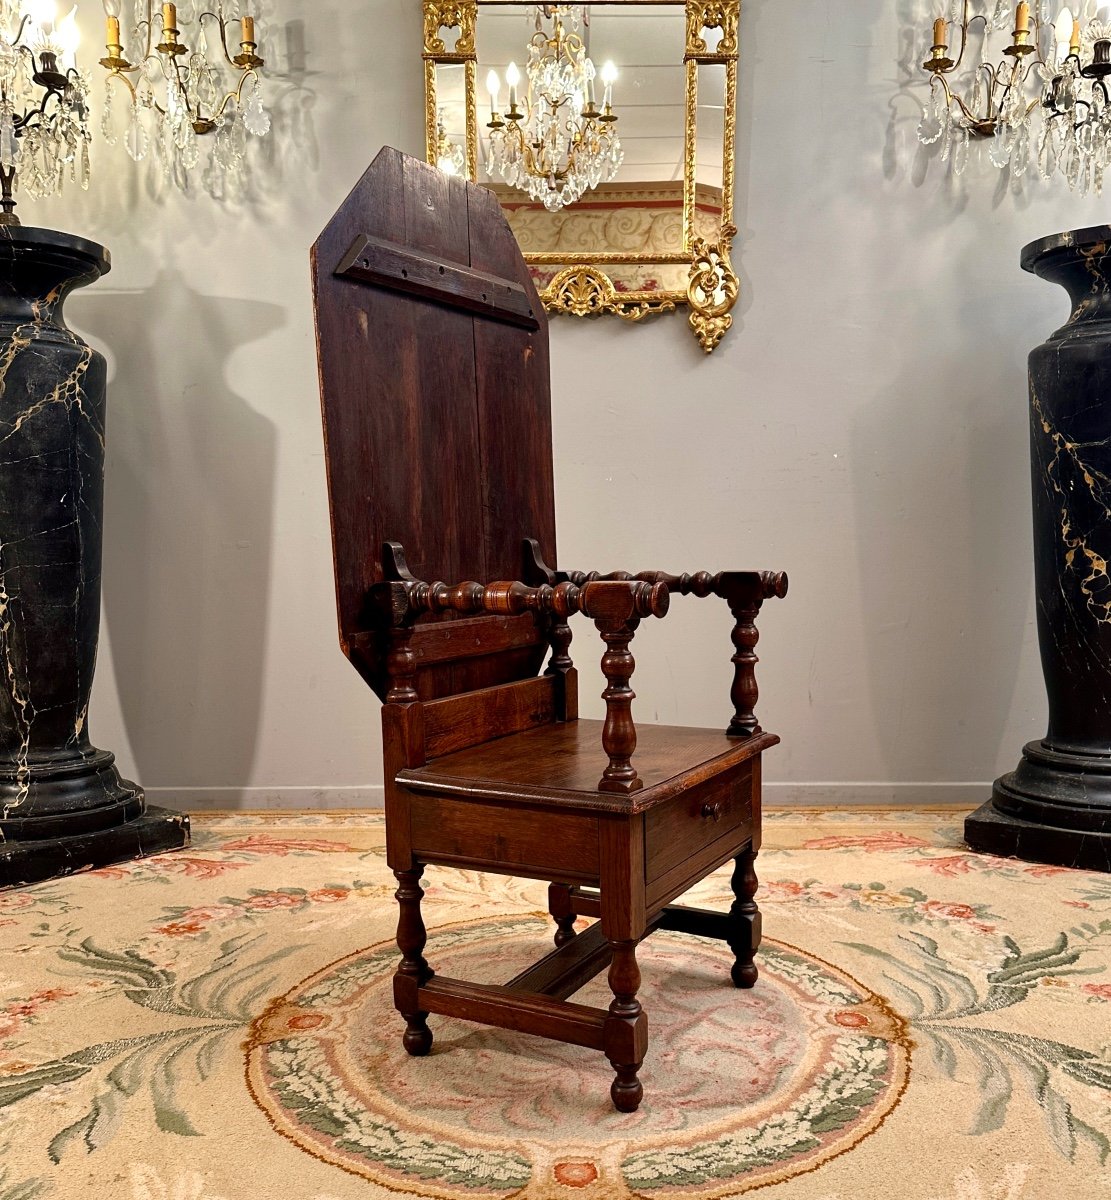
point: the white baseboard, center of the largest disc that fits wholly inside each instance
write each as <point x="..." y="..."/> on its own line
<point x="205" y="799"/>
<point x="779" y="795"/>
<point x="878" y="795"/>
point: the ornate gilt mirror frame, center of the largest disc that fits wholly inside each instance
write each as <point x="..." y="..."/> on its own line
<point x="582" y="285"/>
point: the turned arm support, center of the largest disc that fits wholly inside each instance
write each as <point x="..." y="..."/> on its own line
<point x="617" y="607"/>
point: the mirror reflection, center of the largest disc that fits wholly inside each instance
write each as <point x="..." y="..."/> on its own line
<point x="604" y="129"/>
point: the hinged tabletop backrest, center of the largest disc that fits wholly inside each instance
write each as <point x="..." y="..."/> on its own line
<point x="433" y="354"/>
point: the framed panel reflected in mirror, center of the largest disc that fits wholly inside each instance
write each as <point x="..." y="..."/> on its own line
<point x="607" y="130"/>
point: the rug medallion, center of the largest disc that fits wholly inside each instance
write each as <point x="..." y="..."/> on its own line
<point x="742" y="1089"/>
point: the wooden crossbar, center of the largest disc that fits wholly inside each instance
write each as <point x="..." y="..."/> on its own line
<point x="492" y="1004"/>
<point x="387" y="265"/>
<point x="682" y="918"/>
<point x="573" y="965"/>
<point x="702" y="922"/>
<point x="561" y="973"/>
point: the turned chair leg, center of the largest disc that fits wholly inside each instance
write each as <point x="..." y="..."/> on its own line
<point x="744" y="914"/>
<point x="412" y="972"/>
<point x="559" y="905"/>
<point x="626" y="1030"/>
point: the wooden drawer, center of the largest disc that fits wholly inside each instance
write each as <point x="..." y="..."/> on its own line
<point x="685" y="838"/>
<point x="514" y="839"/>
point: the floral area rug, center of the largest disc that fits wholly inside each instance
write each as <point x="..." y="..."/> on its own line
<point x="216" y="1024"/>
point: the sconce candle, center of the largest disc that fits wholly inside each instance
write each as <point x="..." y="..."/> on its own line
<point x="512" y="77"/>
<point x="609" y="74"/>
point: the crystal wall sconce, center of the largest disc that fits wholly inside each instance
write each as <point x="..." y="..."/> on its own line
<point x="44" y="125"/>
<point x="179" y="93"/>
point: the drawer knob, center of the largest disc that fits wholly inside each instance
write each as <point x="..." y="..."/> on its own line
<point x="712" y="811"/>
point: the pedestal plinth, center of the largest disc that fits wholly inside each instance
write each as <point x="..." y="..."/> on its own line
<point x="1055" y="806"/>
<point x="63" y="804"/>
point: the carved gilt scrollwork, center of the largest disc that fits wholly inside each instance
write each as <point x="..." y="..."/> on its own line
<point x="449" y="14"/>
<point x="586" y="292"/>
<point x="712" y="14"/>
<point x="712" y="290"/>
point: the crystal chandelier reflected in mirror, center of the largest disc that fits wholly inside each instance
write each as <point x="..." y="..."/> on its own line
<point x="562" y="144"/>
<point x="44" y="126"/>
<point x="449" y="155"/>
<point x="1043" y="102"/>
<point x="179" y="92"/>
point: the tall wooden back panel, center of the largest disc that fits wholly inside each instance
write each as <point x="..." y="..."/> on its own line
<point x="433" y="355"/>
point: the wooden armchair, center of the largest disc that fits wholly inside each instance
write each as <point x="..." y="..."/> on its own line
<point x="433" y="354"/>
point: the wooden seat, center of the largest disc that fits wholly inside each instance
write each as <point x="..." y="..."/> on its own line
<point x="434" y="382"/>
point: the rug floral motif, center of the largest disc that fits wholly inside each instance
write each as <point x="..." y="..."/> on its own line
<point x="216" y="1024"/>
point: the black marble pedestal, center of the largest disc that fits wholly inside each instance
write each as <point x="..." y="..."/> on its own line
<point x="63" y="804"/>
<point x="1055" y="807"/>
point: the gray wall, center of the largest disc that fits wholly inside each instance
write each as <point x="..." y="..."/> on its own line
<point x="862" y="427"/>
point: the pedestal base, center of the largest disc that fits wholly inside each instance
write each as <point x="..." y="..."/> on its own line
<point x="156" y="830"/>
<point x="1054" y="807"/>
<point x="993" y="832"/>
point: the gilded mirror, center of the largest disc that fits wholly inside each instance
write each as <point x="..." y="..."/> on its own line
<point x="637" y="228"/>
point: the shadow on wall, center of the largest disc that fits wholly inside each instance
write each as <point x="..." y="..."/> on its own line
<point x="940" y="458"/>
<point x="189" y="502"/>
<point x="946" y="630"/>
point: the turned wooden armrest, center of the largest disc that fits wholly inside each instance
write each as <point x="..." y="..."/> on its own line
<point x="743" y="591"/>
<point x="615" y="606"/>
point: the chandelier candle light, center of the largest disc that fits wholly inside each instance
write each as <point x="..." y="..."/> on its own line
<point x="562" y="144"/>
<point x="195" y="101"/>
<point x="44" y="128"/>
<point x="449" y="154"/>
<point x="1044" y="100"/>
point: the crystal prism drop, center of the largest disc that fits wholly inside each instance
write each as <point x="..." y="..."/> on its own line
<point x="1020" y="151"/>
<point x="978" y="95"/>
<point x="929" y="128"/>
<point x="960" y="151"/>
<point x="190" y="152"/>
<point x="1047" y="152"/>
<point x="83" y="171"/>
<point x="1071" y="159"/>
<point x="9" y="145"/>
<point x="137" y="139"/>
<point x="999" y="147"/>
<point x="256" y="120"/>
<point x="107" y="129"/>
